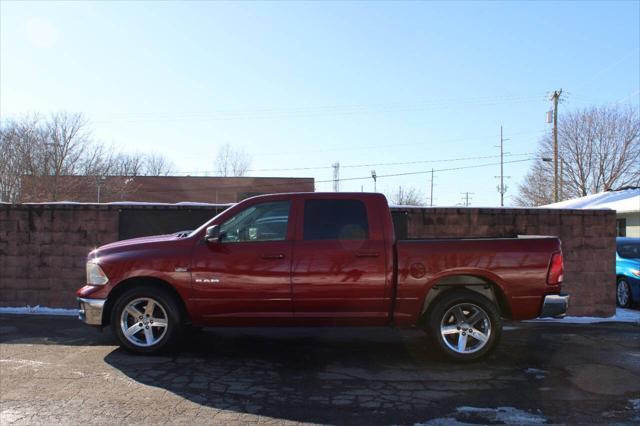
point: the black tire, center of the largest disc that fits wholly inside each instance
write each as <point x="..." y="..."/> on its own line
<point x="622" y="286"/>
<point x="168" y="306"/>
<point x="470" y="303"/>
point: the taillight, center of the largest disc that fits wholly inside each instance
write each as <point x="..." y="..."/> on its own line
<point x="556" y="269"/>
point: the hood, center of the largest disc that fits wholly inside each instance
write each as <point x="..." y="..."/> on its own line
<point x="134" y="243"/>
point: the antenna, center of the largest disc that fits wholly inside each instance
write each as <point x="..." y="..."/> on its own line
<point x="336" y="176"/>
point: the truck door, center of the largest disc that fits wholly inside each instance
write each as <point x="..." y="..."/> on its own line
<point x="338" y="270"/>
<point x="247" y="273"/>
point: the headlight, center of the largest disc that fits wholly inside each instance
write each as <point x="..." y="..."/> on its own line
<point x="635" y="272"/>
<point x="95" y="274"/>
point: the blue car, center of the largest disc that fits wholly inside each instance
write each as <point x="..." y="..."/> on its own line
<point x="627" y="271"/>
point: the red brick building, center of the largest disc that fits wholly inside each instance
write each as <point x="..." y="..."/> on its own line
<point x="158" y="189"/>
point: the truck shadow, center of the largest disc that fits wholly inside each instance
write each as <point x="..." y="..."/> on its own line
<point x="321" y="375"/>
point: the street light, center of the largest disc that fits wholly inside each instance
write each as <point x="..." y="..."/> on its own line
<point x="375" y="178"/>
<point x="100" y="181"/>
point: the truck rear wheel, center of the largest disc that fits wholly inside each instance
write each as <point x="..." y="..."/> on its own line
<point x="464" y="325"/>
<point x="145" y="320"/>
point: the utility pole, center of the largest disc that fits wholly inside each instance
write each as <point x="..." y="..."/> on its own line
<point x="431" y="197"/>
<point x="501" y="169"/>
<point x="555" y="98"/>
<point x="561" y="179"/>
<point x="502" y="189"/>
<point x="466" y="198"/>
<point x="336" y="176"/>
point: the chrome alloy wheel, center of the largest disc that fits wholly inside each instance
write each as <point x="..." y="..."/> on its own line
<point x="465" y="328"/>
<point x="144" y="322"/>
<point x="623" y="293"/>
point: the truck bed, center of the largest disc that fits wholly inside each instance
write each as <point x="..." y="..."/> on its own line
<point x="515" y="267"/>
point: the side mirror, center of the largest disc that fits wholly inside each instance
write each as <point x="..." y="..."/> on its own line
<point x="213" y="234"/>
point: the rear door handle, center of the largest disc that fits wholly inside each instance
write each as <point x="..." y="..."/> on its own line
<point x="273" y="256"/>
<point x="367" y="254"/>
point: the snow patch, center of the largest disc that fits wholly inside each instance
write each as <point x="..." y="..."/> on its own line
<point x="622" y="315"/>
<point x="509" y="415"/>
<point x="443" y="421"/>
<point x="539" y="374"/>
<point x="627" y="200"/>
<point x="472" y="415"/>
<point x="39" y="310"/>
<point x="133" y="203"/>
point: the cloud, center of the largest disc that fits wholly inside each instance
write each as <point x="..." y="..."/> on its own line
<point x="41" y="33"/>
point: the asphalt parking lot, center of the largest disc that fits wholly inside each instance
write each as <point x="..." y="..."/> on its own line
<point x="55" y="370"/>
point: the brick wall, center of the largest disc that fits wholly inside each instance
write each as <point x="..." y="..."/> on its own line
<point x="588" y="243"/>
<point x="43" y="247"/>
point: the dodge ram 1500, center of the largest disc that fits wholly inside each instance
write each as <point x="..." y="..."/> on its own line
<point x="320" y="259"/>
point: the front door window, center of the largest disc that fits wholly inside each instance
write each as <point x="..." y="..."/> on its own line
<point x="260" y="222"/>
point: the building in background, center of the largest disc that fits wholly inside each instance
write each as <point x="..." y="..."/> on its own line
<point x="156" y="189"/>
<point x="625" y="201"/>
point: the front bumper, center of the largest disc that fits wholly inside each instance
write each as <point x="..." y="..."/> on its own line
<point x="555" y="306"/>
<point x="90" y="310"/>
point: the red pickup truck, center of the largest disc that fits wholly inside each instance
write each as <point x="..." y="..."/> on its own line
<point x="319" y="259"/>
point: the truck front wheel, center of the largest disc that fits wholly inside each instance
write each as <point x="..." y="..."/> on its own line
<point x="464" y="325"/>
<point x="145" y="320"/>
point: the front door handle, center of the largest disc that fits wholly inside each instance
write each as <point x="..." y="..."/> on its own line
<point x="367" y="254"/>
<point x="272" y="256"/>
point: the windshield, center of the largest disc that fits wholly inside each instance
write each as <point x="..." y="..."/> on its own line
<point x="629" y="250"/>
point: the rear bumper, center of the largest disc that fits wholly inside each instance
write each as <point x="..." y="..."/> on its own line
<point x="90" y="310"/>
<point x="555" y="306"/>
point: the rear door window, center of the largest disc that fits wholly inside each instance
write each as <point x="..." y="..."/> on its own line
<point x="335" y="220"/>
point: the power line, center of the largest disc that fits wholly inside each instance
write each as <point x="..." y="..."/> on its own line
<point x="370" y="147"/>
<point x="402" y="163"/>
<point x="256" y="186"/>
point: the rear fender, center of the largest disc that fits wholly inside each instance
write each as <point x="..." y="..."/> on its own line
<point x="489" y="287"/>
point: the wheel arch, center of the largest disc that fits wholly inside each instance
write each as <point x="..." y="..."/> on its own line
<point x="132" y="282"/>
<point x="472" y="282"/>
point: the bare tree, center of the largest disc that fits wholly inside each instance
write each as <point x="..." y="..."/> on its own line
<point x="41" y="159"/>
<point x="537" y="187"/>
<point x="232" y="162"/>
<point x="407" y="197"/>
<point x="15" y="137"/>
<point x="157" y="165"/>
<point x="599" y="150"/>
<point x="125" y="165"/>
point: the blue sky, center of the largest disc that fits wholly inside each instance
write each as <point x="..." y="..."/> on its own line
<point x="300" y="84"/>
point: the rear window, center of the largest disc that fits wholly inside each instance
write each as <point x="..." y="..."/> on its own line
<point x="335" y="220"/>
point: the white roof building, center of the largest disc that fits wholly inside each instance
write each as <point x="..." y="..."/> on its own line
<point x="626" y="203"/>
